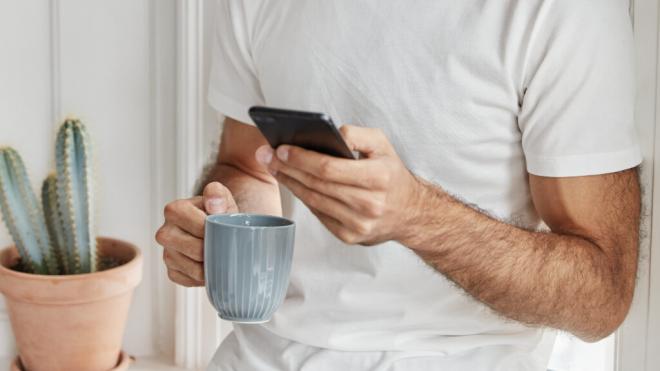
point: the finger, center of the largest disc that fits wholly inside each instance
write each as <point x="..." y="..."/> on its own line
<point x="317" y="201"/>
<point x="350" y="195"/>
<point x="336" y="228"/>
<point x="177" y="261"/>
<point x="218" y="199"/>
<point x="367" y="141"/>
<point x="188" y="215"/>
<point x="364" y="173"/>
<point x="172" y="237"/>
<point x="181" y="279"/>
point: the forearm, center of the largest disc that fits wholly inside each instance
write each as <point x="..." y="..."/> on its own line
<point x="253" y="193"/>
<point x="563" y="281"/>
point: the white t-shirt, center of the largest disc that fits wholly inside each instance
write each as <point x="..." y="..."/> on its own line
<point x="473" y="94"/>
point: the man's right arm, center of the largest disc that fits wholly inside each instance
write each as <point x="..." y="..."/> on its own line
<point x="235" y="182"/>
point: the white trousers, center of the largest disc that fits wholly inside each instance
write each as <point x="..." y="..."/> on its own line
<point x="254" y="348"/>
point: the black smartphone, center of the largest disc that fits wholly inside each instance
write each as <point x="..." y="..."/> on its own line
<point x="309" y="130"/>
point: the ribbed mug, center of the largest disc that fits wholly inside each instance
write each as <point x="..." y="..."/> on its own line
<point x="247" y="261"/>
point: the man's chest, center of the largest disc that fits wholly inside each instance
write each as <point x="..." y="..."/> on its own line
<point x="449" y="71"/>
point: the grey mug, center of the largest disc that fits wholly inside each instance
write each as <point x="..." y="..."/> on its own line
<point x="247" y="261"/>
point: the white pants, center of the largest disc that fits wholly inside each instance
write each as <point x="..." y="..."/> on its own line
<point x="254" y="348"/>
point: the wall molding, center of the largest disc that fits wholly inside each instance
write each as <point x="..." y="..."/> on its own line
<point x="196" y="338"/>
<point x="648" y="52"/>
<point x="55" y="62"/>
<point x="162" y="66"/>
<point x="188" y="328"/>
<point x="188" y="341"/>
<point x="633" y="345"/>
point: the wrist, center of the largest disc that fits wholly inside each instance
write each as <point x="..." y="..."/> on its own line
<point x="423" y="208"/>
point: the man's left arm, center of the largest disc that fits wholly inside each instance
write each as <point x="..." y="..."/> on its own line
<point x="580" y="277"/>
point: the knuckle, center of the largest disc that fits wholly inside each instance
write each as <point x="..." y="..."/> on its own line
<point x="348" y="238"/>
<point x="313" y="199"/>
<point x="325" y="167"/>
<point x="178" y="278"/>
<point x="169" y="210"/>
<point x="381" y="180"/>
<point x="375" y="208"/>
<point x="385" y="177"/>
<point x="185" y="283"/>
<point x="169" y="259"/>
<point x="313" y="182"/>
<point x="171" y="275"/>
<point x="364" y="228"/>
<point x="215" y="187"/>
<point x="173" y="208"/>
<point x="196" y="252"/>
<point x="162" y="236"/>
<point x="198" y="272"/>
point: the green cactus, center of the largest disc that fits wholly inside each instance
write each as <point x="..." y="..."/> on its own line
<point x="74" y="191"/>
<point x="54" y="222"/>
<point x="56" y="236"/>
<point x="23" y="215"/>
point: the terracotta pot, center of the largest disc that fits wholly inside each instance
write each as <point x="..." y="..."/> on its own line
<point x="73" y="322"/>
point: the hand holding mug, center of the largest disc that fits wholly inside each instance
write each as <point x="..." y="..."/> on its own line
<point x="182" y="234"/>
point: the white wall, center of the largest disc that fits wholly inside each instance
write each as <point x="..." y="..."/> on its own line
<point x="89" y="58"/>
<point x="25" y="104"/>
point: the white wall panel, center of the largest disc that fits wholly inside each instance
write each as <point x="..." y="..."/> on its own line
<point x="104" y="64"/>
<point x="25" y="105"/>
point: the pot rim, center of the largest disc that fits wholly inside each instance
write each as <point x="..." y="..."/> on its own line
<point x="72" y="277"/>
<point x="123" y="362"/>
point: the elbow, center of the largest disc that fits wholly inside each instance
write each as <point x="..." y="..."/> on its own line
<point x="605" y="313"/>
<point x="610" y="317"/>
<point x="595" y="335"/>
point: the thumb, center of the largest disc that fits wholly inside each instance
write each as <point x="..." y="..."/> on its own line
<point x="218" y="199"/>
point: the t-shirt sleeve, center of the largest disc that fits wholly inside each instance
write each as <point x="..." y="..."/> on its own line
<point x="233" y="83"/>
<point x="577" y="111"/>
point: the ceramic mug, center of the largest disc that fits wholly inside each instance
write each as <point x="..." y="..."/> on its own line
<point x="247" y="260"/>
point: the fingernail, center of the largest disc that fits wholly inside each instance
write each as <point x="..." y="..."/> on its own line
<point x="264" y="155"/>
<point x="215" y="206"/>
<point x="283" y="153"/>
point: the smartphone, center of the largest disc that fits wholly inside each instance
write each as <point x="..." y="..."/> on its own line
<point x="309" y="130"/>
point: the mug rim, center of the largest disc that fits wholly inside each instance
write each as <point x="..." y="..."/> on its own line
<point x="210" y="219"/>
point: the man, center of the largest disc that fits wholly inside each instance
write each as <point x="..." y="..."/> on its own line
<point x="477" y="120"/>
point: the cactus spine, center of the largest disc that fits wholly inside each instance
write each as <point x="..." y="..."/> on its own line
<point x="74" y="191"/>
<point x="23" y="215"/>
<point x="56" y="236"/>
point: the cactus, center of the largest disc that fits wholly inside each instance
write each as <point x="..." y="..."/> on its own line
<point x="74" y="191"/>
<point x="54" y="222"/>
<point x="56" y="236"/>
<point x="23" y="215"/>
